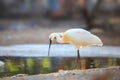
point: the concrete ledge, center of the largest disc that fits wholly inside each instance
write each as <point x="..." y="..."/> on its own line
<point x="58" y="50"/>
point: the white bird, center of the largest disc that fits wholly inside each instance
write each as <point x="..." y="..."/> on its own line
<point x="77" y="37"/>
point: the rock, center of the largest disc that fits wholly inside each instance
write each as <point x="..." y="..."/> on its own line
<point x="111" y="73"/>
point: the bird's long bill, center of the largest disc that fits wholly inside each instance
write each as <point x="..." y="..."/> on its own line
<point x="49" y="47"/>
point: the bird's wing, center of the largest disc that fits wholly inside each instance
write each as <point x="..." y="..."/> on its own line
<point x="83" y="37"/>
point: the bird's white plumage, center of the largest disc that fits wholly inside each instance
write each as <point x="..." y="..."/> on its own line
<point x="82" y="37"/>
<point x="78" y="37"/>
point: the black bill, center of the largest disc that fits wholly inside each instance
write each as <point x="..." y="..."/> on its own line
<point x="49" y="46"/>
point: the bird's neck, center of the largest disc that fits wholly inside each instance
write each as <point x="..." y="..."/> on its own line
<point x="59" y="39"/>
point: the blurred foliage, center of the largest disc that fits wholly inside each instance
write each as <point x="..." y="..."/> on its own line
<point x="45" y="62"/>
<point x="2" y="9"/>
<point x="10" y="66"/>
<point x="45" y="65"/>
<point x="29" y="63"/>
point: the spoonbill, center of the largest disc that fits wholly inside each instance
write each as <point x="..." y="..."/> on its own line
<point x="77" y="37"/>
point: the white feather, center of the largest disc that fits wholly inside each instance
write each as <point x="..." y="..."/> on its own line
<point x="81" y="36"/>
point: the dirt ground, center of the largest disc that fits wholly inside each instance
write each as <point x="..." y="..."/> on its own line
<point x="111" y="73"/>
<point x="40" y="36"/>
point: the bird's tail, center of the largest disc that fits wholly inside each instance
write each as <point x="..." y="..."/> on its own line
<point x="98" y="41"/>
<point x="100" y="44"/>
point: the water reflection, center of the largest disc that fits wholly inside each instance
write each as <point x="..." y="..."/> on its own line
<point x="31" y="66"/>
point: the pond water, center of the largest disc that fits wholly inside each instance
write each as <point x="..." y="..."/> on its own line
<point x="37" y="65"/>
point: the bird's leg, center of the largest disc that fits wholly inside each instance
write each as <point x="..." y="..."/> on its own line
<point x="77" y="60"/>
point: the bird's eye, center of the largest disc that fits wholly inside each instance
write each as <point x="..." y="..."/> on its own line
<point x="55" y="38"/>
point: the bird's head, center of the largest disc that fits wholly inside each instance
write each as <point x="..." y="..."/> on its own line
<point x="54" y="37"/>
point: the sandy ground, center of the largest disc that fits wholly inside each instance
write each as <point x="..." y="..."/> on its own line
<point x="40" y="36"/>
